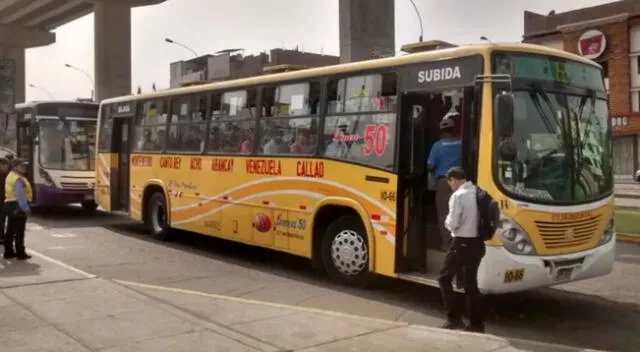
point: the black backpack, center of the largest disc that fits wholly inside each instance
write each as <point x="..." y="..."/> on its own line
<point x="488" y="214"/>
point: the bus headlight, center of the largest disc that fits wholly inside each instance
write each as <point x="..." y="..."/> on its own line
<point x="514" y="238"/>
<point x="47" y="179"/>
<point x="607" y="234"/>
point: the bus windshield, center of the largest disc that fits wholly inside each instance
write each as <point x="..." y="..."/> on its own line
<point x="67" y="145"/>
<point x="562" y="137"/>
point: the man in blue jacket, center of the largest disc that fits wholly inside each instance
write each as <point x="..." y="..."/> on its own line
<point x="445" y="154"/>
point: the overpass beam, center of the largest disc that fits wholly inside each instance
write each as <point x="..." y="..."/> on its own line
<point x="112" y="22"/>
<point x="16" y="36"/>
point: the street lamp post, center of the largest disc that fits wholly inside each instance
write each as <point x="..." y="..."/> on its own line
<point x="419" y="19"/>
<point x="42" y="89"/>
<point x="88" y="77"/>
<point x="171" y="41"/>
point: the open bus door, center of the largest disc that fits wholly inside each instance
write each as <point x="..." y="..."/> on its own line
<point x="424" y="102"/>
<point x="121" y="137"/>
<point x="25" y="131"/>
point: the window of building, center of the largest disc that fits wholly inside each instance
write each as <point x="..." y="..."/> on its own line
<point x="605" y="68"/>
<point x="361" y="121"/>
<point x="635" y="101"/>
<point x="187" y="125"/>
<point x="233" y="122"/>
<point x="605" y="73"/>
<point x="289" y="124"/>
<point x="150" y="129"/>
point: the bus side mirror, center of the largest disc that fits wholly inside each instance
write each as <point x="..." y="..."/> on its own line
<point x="504" y="113"/>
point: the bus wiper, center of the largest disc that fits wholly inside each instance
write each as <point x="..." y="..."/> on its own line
<point x="589" y="123"/>
<point x="543" y="114"/>
<point x="538" y="89"/>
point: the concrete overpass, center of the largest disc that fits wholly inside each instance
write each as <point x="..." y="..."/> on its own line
<point x="28" y="24"/>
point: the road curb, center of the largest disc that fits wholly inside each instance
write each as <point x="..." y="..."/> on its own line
<point x="526" y="344"/>
<point x="627" y="195"/>
<point x="628" y="238"/>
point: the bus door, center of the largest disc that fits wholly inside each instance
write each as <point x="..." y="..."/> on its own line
<point x="412" y="180"/>
<point x="429" y="92"/>
<point x="121" y="146"/>
<point x="25" y="147"/>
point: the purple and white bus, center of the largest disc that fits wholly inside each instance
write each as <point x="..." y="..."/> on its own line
<point x="58" y="139"/>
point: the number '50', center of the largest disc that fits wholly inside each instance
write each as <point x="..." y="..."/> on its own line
<point x="375" y="139"/>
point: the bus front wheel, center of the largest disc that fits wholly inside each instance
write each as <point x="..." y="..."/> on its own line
<point x="156" y="217"/>
<point x="345" y="252"/>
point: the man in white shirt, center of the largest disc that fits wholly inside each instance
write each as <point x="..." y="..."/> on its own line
<point x="465" y="253"/>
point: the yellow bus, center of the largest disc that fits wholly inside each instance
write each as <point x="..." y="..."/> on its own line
<point x="330" y="163"/>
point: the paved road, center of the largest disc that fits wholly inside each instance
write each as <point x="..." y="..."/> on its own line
<point x="601" y="313"/>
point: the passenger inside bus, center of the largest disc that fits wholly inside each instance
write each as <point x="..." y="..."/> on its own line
<point x="302" y="143"/>
<point x="215" y="144"/>
<point x="445" y="154"/>
<point x="276" y="143"/>
<point x="248" y="143"/>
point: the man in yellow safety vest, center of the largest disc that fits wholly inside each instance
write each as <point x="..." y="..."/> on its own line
<point x="18" y="194"/>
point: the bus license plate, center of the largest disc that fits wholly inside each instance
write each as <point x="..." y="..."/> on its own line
<point x="88" y="197"/>
<point x="513" y="275"/>
<point x="564" y="274"/>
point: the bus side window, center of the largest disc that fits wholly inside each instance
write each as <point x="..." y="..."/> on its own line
<point x="361" y="119"/>
<point x="236" y="124"/>
<point x="187" y="126"/>
<point x="214" y="138"/>
<point x="292" y="125"/>
<point x="150" y="126"/>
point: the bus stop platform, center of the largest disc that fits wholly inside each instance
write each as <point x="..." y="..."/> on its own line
<point x="48" y="306"/>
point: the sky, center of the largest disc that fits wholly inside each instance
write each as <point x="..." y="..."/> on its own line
<point x="256" y="25"/>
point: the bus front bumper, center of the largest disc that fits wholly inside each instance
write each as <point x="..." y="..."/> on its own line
<point x="53" y="196"/>
<point x="504" y="272"/>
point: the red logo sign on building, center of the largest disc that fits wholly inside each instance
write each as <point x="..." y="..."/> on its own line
<point x="592" y="44"/>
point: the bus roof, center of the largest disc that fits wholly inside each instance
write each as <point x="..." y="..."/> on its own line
<point x="35" y="103"/>
<point x="414" y="58"/>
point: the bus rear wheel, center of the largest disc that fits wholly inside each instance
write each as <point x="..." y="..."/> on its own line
<point x="345" y="252"/>
<point x="156" y="217"/>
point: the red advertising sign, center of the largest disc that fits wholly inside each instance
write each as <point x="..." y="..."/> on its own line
<point x="592" y="44"/>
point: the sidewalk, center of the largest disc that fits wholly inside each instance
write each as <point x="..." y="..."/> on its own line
<point x="627" y="189"/>
<point x="47" y="306"/>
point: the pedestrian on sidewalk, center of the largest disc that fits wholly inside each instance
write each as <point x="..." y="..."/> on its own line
<point x="4" y="171"/>
<point x="464" y="254"/>
<point x="18" y="194"/>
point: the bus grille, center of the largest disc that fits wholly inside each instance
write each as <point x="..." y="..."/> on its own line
<point x="74" y="186"/>
<point x="567" y="234"/>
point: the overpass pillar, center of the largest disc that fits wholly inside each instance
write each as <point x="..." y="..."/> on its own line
<point x="16" y="55"/>
<point x="14" y="40"/>
<point x="112" y="21"/>
<point x="367" y="29"/>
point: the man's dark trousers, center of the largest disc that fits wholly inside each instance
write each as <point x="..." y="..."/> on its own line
<point x="464" y="256"/>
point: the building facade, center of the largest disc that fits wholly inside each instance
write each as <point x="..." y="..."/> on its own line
<point x="230" y="64"/>
<point x="610" y="35"/>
